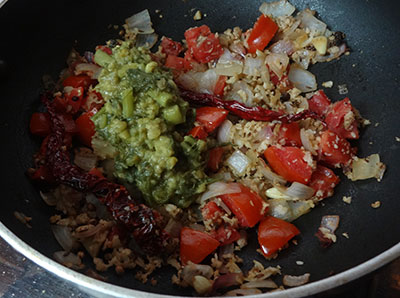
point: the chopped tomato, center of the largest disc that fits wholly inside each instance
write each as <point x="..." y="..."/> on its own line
<point x="226" y="235"/>
<point x="74" y="99"/>
<point x="198" y="132"/>
<point x="96" y="172"/>
<point x="211" y="211"/>
<point x="335" y="150"/>
<point x="86" y="128"/>
<point x="93" y="100"/>
<point x="105" y="49"/>
<point x="83" y="81"/>
<point x="289" y="163"/>
<point x="210" y="117"/>
<point x="274" y="233"/>
<point x="43" y="174"/>
<point x="319" y="103"/>
<point x="68" y="122"/>
<point x="289" y="134"/>
<point x="323" y="180"/>
<point x="203" y="44"/>
<point x="246" y="205"/>
<point x="170" y="47"/>
<point x="40" y="124"/>
<point x="261" y="34"/>
<point x="188" y="60"/>
<point x="283" y="83"/>
<point x="195" y="246"/>
<point x="220" y="86"/>
<point x="337" y="122"/>
<point x="175" y="62"/>
<point x="215" y="158"/>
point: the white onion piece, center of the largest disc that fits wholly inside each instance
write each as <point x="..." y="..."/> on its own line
<point x="146" y="40"/>
<point x="300" y="208"/>
<point x="365" y="168"/>
<point x="238" y="48"/>
<point x="227" y="280"/>
<point x="92" y="70"/>
<point x="202" y="82"/>
<point x="280" y="8"/>
<point x="243" y="87"/>
<point x="305" y="140"/>
<point x="219" y="188"/>
<point x="302" y="79"/>
<point x="299" y="191"/>
<point x="295" y="281"/>
<point x="278" y="63"/>
<point x="68" y="259"/>
<point x="228" y="65"/>
<point x="288" y="210"/>
<point x="243" y="292"/>
<point x="224" y="132"/>
<point x="173" y="228"/>
<point x="254" y="66"/>
<point x="101" y="209"/>
<point x="63" y="236"/>
<point x="331" y="56"/>
<point x="238" y="162"/>
<point x="269" y="174"/>
<point x="49" y="198"/>
<point x="191" y="270"/>
<point x="330" y="222"/>
<point x="266" y="283"/>
<point x="141" y="22"/>
<point x="309" y="21"/>
<point x="85" y="159"/>
<point x="265" y="133"/>
<point x="283" y="46"/>
<point x="221" y="204"/>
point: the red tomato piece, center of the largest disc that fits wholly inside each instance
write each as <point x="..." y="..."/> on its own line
<point x="74" y="98"/>
<point x="175" y="62"/>
<point x="319" y="103"/>
<point x="40" y="124"/>
<point x="323" y="180"/>
<point x="261" y="34"/>
<point x="337" y="122"/>
<point x="283" y="83"/>
<point x="69" y="123"/>
<point x="210" y="117"/>
<point x="335" y="150"/>
<point x="226" y="235"/>
<point x="220" y="86"/>
<point x="170" y="47"/>
<point x="203" y="44"/>
<point x="211" y="211"/>
<point x="43" y="174"/>
<point x="105" y="49"/>
<point x="86" y="128"/>
<point x="274" y="233"/>
<point x="83" y="81"/>
<point x="246" y="205"/>
<point x="289" y="163"/>
<point x="289" y="134"/>
<point x="198" y="132"/>
<point x="195" y="246"/>
<point x="215" y="158"/>
<point x="96" y="172"/>
<point x="93" y="100"/>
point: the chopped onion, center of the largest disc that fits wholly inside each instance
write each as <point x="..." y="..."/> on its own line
<point x="173" y="228"/>
<point x="63" y="236"/>
<point x="238" y="48"/>
<point x="269" y="174"/>
<point x="202" y="82"/>
<point x="49" y="198"/>
<point x="302" y="79"/>
<point x="191" y="270"/>
<point x="277" y="62"/>
<point x="243" y="292"/>
<point x="288" y="210"/>
<point x="238" y="162"/>
<point x="219" y="188"/>
<point x="266" y="283"/>
<point x="265" y="133"/>
<point x="146" y="40"/>
<point x="309" y="21"/>
<point x="332" y="55"/>
<point x="244" y="89"/>
<point x="365" y="168"/>
<point x="140" y="22"/>
<point x="294" y="281"/>
<point x="228" y="65"/>
<point x="224" y="132"/>
<point x="221" y="204"/>
<point x="254" y="66"/>
<point x="283" y="46"/>
<point x="302" y="58"/>
<point x="299" y="191"/>
<point x="90" y="69"/>
<point x="201" y="284"/>
<point x="330" y="222"/>
<point x="305" y="140"/>
<point x="85" y="159"/>
<point x="101" y="209"/>
<point x="300" y="208"/>
<point x="280" y="8"/>
<point x="68" y="259"/>
<point x="227" y="280"/>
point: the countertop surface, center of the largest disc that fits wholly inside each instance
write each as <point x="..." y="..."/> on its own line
<point x="19" y="277"/>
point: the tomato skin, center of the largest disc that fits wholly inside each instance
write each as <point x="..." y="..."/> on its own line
<point x="220" y="86"/>
<point x="175" y="62"/>
<point x="211" y="211"/>
<point x="203" y="44"/>
<point x="226" y="235"/>
<point x="43" y="174"/>
<point x="289" y="163"/>
<point x="83" y="81"/>
<point x="74" y="99"/>
<point x="96" y="172"/>
<point x="319" y="103"/>
<point x="195" y="246"/>
<point x="289" y="134"/>
<point x="263" y="31"/>
<point x="334" y="150"/>
<point x="246" y="205"/>
<point x="210" y="117"/>
<point x="215" y="158"/>
<point x="323" y="180"/>
<point x="335" y="119"/>
<point x="170" y="47"/>
<point x="274" y="233"/>
<point x="86" y="128"/>
<point x="198" y="132"/>
<point x="40" y="124"/>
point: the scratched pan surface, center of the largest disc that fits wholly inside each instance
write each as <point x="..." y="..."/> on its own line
<point x="36" y="37"/>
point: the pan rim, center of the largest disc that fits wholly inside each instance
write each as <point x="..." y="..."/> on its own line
<point x="102" y="289"/>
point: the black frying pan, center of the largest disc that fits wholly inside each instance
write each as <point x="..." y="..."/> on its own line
<point x="36" y="37"/>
